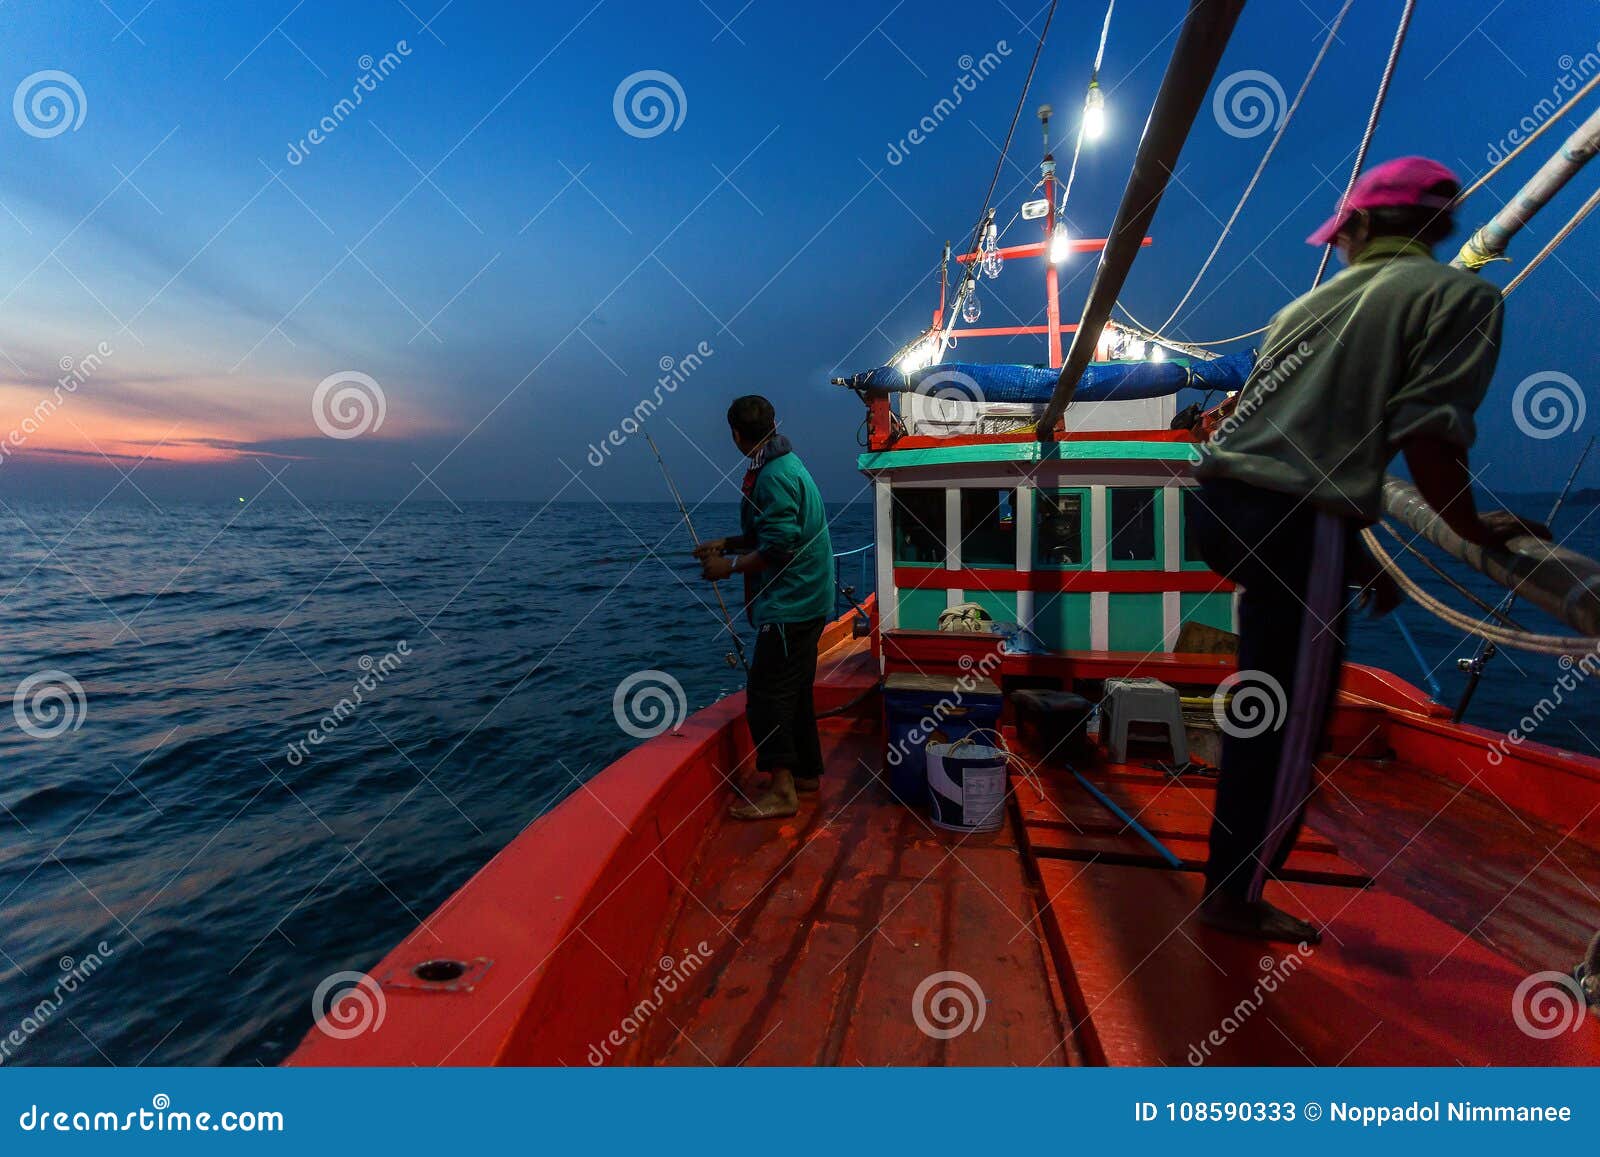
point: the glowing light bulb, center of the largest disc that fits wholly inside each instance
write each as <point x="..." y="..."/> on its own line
<point x="1135" y="351"/>
<point x="1060" y="244"/>
<point x="916" y="358"/>
<point x="1157" y="354"/>
<point x="971" y="310"/>
<point x="1094" y="112"/>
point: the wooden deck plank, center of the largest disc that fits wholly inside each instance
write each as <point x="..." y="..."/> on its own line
<point x="994" y="937"/>
<point x="1514" y="883"/>
<point x="1174" y="809"/>
<point x="904" y="948"/>
<point x="1391" y="985"/>
<point x="1307" y="866"/>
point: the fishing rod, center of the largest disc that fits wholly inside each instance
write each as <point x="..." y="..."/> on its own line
<point x="1486" y="650"/>
<point x="731" y="658"/>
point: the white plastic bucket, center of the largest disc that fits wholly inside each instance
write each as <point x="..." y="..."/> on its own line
<point x="966" y="786"/>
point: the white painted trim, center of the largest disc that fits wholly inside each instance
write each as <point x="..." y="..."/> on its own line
<point x="883" y="514"/>
<point x="1172" y="554"/>
<point x="1024" y="516"/>
<point x="952" y="542"/>
<point x="1099" y="601"/>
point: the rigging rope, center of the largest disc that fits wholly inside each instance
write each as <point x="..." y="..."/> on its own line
<point x="1094" y="76"/>
<point x="1538" y="258"/>
<point x="1022" y="100"/>
<point x="1333" y="34"/>
<point x="1482" y="604"/>
<point x="1516" y="152"/>
<point x="1372" y="123"/>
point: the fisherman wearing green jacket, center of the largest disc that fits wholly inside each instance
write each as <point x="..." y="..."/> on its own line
<point x="1392" y="356"/>
<point x="786" y="557"/>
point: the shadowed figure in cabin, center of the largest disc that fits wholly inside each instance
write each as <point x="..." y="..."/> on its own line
<point x="785" y="555"/>
<point x="1392" y="356"/>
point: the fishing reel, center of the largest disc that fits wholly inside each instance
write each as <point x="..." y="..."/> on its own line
<point x="731" y="659"/>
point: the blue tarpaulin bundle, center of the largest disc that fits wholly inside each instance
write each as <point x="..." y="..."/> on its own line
<point x="1104" y="382"/>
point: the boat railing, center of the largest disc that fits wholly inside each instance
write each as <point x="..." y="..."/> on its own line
<point x="859" y="566"/>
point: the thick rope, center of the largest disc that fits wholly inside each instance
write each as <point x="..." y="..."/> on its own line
<point x="1444" y="577"/>
<point x="1518" y="640"/>
<point x="1333" y="34"/>
<point x="1372" y="123"/>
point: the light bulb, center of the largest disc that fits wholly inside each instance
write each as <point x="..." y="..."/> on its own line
<point x="1094" y="112"/>
<point x="1060" y="244"/>
<point x="1157" y="354"/>
<point x="916" y="358"/>
<point x="1135" y="351"/>
<point x="970" y="309"/>
<point x="991" y="260"/>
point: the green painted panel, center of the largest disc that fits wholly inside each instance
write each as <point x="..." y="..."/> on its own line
<point x="1214" y="609"/>
<point x="1135" y="622"/>
<point x="1061" y="620"/>
<point x="1126" y="450"/>
<point x="919" y="610"/>
<point x="1001" y="605"/>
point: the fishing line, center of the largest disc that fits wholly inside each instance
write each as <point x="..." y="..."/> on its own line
<point x="688" y="521"/>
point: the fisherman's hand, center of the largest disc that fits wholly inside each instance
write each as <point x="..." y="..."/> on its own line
<point x="1500" y="526"/>
<point x="709" y="547"/>
<point x="716" y="567"/>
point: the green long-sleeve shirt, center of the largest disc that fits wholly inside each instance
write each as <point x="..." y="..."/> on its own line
<point x="782" y="517"/>
<point x="1396" y="346"/>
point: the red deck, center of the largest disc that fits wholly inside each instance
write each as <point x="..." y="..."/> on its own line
<point x="634" y="924"/>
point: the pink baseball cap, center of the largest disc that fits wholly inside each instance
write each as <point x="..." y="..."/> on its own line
<point x="1402" y="181"/>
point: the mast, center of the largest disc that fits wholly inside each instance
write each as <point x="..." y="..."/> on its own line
<point x="1201" y="42"/>
<point x="1052" y="283"/>
<point x="1489" y="243"/>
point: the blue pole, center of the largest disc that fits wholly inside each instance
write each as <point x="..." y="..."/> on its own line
<point x="1111" y="806"/>
<point x="1427" y="673"/>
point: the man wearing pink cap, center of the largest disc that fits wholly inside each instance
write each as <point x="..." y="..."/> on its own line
<point x="1391" y="356"/>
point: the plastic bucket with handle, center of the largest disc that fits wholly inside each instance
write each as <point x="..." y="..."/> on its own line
<point x="967" y="784"/>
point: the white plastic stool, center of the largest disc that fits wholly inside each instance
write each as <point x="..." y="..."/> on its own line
<point x="1130" y="701"/>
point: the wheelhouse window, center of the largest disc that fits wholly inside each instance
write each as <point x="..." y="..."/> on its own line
<point x="1135" y="527"/>
<point x="1191" y="536"/>
<point x="918" y="527"/>
<point x="989" y="527"/>
<point x="1061" y="529"/>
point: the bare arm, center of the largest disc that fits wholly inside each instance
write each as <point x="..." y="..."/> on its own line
<point x="1440" y="471"/>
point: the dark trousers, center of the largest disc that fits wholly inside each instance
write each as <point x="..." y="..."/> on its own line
<point x="1289" y="560"/>
<point x="778" y="705"/>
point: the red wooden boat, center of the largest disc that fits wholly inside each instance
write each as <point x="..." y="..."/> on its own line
<point x="635" y="924"/>
<point x="1456" y="875"/>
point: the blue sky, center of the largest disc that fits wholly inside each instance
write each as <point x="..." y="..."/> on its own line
<point x="482" y="239"/>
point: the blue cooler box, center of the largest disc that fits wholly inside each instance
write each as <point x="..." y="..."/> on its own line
<point x="923" y="709"/>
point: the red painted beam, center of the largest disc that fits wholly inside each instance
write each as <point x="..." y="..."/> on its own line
<point x="951" y="652"/>
<point x="1035" y="248"/>
<point x="1120" y="581"/>
<point x="927" y="441"/>
<point x="1009" y="330"/>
